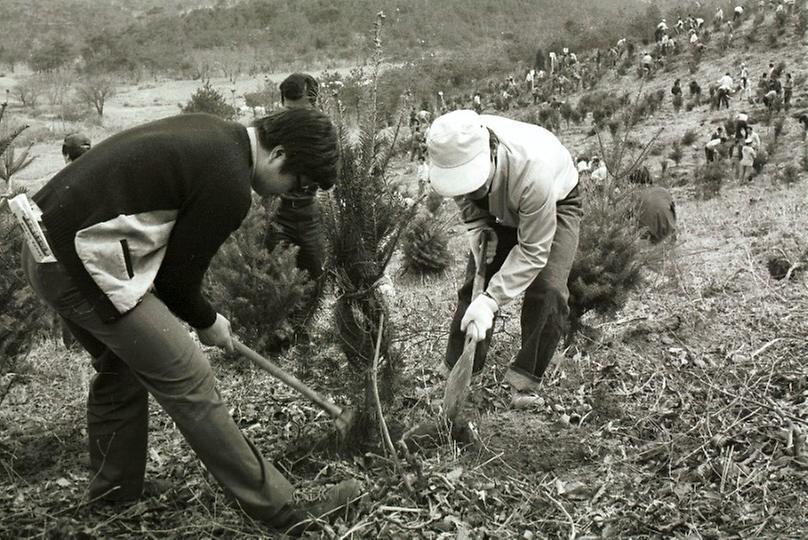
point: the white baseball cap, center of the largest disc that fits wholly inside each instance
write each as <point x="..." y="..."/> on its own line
<point x="459" y="154"/>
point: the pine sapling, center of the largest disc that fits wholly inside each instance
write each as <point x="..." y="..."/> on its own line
<point x="425" y="246"/>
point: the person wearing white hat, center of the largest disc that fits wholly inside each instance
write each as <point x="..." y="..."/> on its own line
<point x="517" y="184"/>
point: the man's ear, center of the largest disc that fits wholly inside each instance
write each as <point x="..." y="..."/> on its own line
<point x="276" y="152"/>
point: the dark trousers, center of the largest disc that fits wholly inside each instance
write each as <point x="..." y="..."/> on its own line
<point x="544" y="310"/>
<point x="297" y="222"/>
<point x="723" y="99"/>
<point x="148" y="351"/>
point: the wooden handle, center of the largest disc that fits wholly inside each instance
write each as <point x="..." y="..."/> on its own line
<point x="459" y="380"/>
<point x="479" y="277"/>
<point x="290" y="380"/>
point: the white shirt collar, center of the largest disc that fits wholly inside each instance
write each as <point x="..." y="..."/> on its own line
<point x="253" y="149"/>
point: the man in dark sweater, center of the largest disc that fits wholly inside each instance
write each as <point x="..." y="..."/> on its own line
<point x="297" y="220"/>
<point x="656" y="210"/>
<point x="134" y="225"/>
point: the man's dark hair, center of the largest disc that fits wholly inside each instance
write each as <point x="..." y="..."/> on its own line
<point x="300" y="85"/>
<point x="309" y="139"/>
<point x="75" y="145"/>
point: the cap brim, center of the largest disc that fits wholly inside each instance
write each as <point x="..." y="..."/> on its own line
<point x="463" y="179"/>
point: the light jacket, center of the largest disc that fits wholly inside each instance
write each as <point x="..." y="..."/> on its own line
<point x="534" y="171"/>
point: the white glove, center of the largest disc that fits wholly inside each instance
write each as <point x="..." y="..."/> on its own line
<point x="475" y="232"/>
<point x="479" y="317"/>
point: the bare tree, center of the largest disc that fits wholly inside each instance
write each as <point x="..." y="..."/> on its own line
<point x="95" y="92"/>
<point x="29" y="91"/>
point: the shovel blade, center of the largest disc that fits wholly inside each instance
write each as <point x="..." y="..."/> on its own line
<point x="457" y="385"/>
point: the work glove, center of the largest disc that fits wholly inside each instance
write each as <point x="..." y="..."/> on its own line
<point x="474" y="232"/>
<point x="479" y="317"/>
<point x="218" y="334"/>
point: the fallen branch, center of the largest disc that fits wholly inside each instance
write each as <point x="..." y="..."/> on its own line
<point x="569" y="517"/>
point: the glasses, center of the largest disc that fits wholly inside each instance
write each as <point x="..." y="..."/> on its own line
<point x="305" y="185"/>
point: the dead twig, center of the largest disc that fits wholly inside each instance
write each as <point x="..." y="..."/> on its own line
<point x="569" y="517"/>
<point x="374" y="377"/>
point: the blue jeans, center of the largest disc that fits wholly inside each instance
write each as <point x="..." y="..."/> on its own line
<point x="149" y="351"/>
<point x="544" y="310"/>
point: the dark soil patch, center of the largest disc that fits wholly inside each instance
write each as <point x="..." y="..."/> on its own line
<point x="532" y="446"/>
<point x="32" y="456"/>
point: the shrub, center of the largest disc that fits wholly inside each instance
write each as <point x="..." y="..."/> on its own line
<point x="549" y="118"/>
<point x="425" y="246"/>
<point x="208" y="99"/>
<point x="614" y="126"/>
<point x="690" y="105"/>
<point x="709" y="179"/>
<point x="569" y="114"/>
<point x="689" y="137"/>
<point x="779" y="126"/>
<point x="21" y="313"/>
<point x="790" y="175"/>
<point x="801" y="23"/>
<point x="760" y="161"/>
<point x="772" y="38"/>
<point x="771" y="147"/>
<point x="676" y="153"/>
<point x="608" y="261"/>
<point x="260" y="289"/>
<point x="434" y="201"/>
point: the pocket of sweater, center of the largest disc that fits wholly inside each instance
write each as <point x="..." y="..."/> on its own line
<point x="127" y="258"/>
<point x="106" y="260"/>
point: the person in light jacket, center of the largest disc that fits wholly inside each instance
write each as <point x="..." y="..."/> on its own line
<point x="517" y="184"/>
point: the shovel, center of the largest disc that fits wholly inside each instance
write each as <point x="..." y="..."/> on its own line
<point x="457" y="385"/>
<point x="343" y="417"/>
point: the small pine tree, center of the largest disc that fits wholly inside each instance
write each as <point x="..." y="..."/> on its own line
<point x="363" y="220"/>
<point x="608" y="262"/>
<point x="209" y="100"/>
<point x="689" y="137"/>
<point x="21" y="313"/>
<point x="257" y="289"/>
<point x="676" y="153"/>
<point x="425" y="246"/>
<point x="779" y="128"/>
<point x="434" y="202"/>
<point x="709" y="179"/>
<point x="801" y="23"/>
<point x="789" y="175"/>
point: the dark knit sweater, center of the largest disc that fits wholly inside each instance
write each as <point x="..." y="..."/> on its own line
<point x="195" y="168"/>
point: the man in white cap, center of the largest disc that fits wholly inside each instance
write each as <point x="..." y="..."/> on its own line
<point x="517" y="184"/>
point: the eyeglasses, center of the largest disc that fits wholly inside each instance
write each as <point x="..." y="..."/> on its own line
<point x="305" y="185"/>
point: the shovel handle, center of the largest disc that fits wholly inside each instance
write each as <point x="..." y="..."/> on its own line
<point x="479" y="277"/>
<point x="459" y="379"/>
<point x="290" y="380"/>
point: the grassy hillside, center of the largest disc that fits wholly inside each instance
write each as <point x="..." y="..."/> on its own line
<point x="265" y="32"/>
